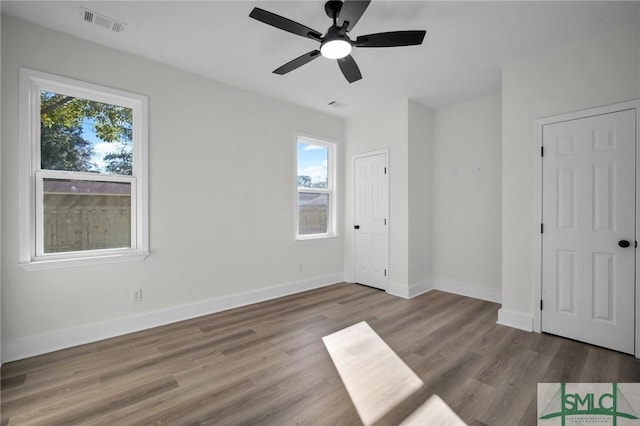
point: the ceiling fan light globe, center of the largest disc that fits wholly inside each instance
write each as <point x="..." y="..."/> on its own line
<point x="335" y="49"/>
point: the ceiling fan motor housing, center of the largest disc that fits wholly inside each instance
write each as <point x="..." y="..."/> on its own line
<point x="337" y="33"/>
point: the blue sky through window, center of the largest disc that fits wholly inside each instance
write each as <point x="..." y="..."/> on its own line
<point x="312" y="162"/>
<point x="100" y="147"/>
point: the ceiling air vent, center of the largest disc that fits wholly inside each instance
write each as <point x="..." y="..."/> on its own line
<point x="105" y="22"/>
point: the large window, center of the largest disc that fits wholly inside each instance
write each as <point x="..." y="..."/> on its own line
<point x="84" y="172"/>
<point x="315" y="207"/>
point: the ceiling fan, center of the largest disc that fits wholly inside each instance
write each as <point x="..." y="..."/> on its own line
<point x="336" y="44"/>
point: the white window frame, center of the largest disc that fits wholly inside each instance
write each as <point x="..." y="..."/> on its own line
<point x="332" y="218"/>
<point x="32" y="256"/>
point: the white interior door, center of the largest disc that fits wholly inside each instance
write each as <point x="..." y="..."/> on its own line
<point x="588" y="212"/>
<point x="371" y="228"/>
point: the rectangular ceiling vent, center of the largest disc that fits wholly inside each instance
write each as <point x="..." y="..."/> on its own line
<point x="92" y="17"/>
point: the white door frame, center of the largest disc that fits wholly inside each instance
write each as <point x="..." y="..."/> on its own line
<point x="537" y="205"/>
<point x="355" y="157"/>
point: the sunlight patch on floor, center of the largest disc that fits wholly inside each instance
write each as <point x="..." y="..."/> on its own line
<point x="375" y="377"/>
<point x="377" y="380"/>
<point x="434" y="412"/>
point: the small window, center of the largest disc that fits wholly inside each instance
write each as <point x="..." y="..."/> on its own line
<point x="84" y="189"/>
<point x="315" y="207"/>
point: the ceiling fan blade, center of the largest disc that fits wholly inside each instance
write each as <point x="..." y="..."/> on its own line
<point x="284" y="23"/>
<point x="349" y="68"/>
<point x="297" y="62"/>
<point x="391" y="39"/>
<point x="351" y="12"/>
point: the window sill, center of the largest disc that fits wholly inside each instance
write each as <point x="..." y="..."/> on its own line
<point x="37" y="265"/>
<point x="315" y="237"/>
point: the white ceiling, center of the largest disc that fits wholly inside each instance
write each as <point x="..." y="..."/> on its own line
<point x="466" y="45"/>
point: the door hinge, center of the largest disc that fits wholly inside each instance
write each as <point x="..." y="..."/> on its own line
<point x="636" y="244"/>
<point x="542" y="228"/>
<point x="385" y="272"/>
<point x="385" y="170"/>
<point x="540" y="304"/>
<point x="542" y="151"/>
<point x="385" y="222"/>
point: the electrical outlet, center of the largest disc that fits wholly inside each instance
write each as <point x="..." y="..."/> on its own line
<point x="136" y="295"/>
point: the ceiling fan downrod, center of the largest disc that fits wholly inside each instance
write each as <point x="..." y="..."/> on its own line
<point x="332" y="8"/>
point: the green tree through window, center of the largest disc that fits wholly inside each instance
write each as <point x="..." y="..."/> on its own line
<point x="64" y="145"/>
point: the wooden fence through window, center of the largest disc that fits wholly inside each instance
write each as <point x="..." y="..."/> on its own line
<point x="75" y="222"/>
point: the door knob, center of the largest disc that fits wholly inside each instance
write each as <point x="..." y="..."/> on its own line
<point x="624" y="243"/>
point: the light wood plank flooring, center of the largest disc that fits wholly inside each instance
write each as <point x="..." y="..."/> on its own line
<point x="265" y="364"/>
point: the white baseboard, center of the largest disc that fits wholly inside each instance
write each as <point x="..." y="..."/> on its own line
<point x="398" y="290"/>
<point x="36" y="345"/>
<point x="469" y="290"/>
<point x="416" y="289"/>
<point x="410" y="291"/>
<point x="515" y="319"/>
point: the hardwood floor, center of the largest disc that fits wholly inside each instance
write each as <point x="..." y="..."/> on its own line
<point x="266" y="364"/>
